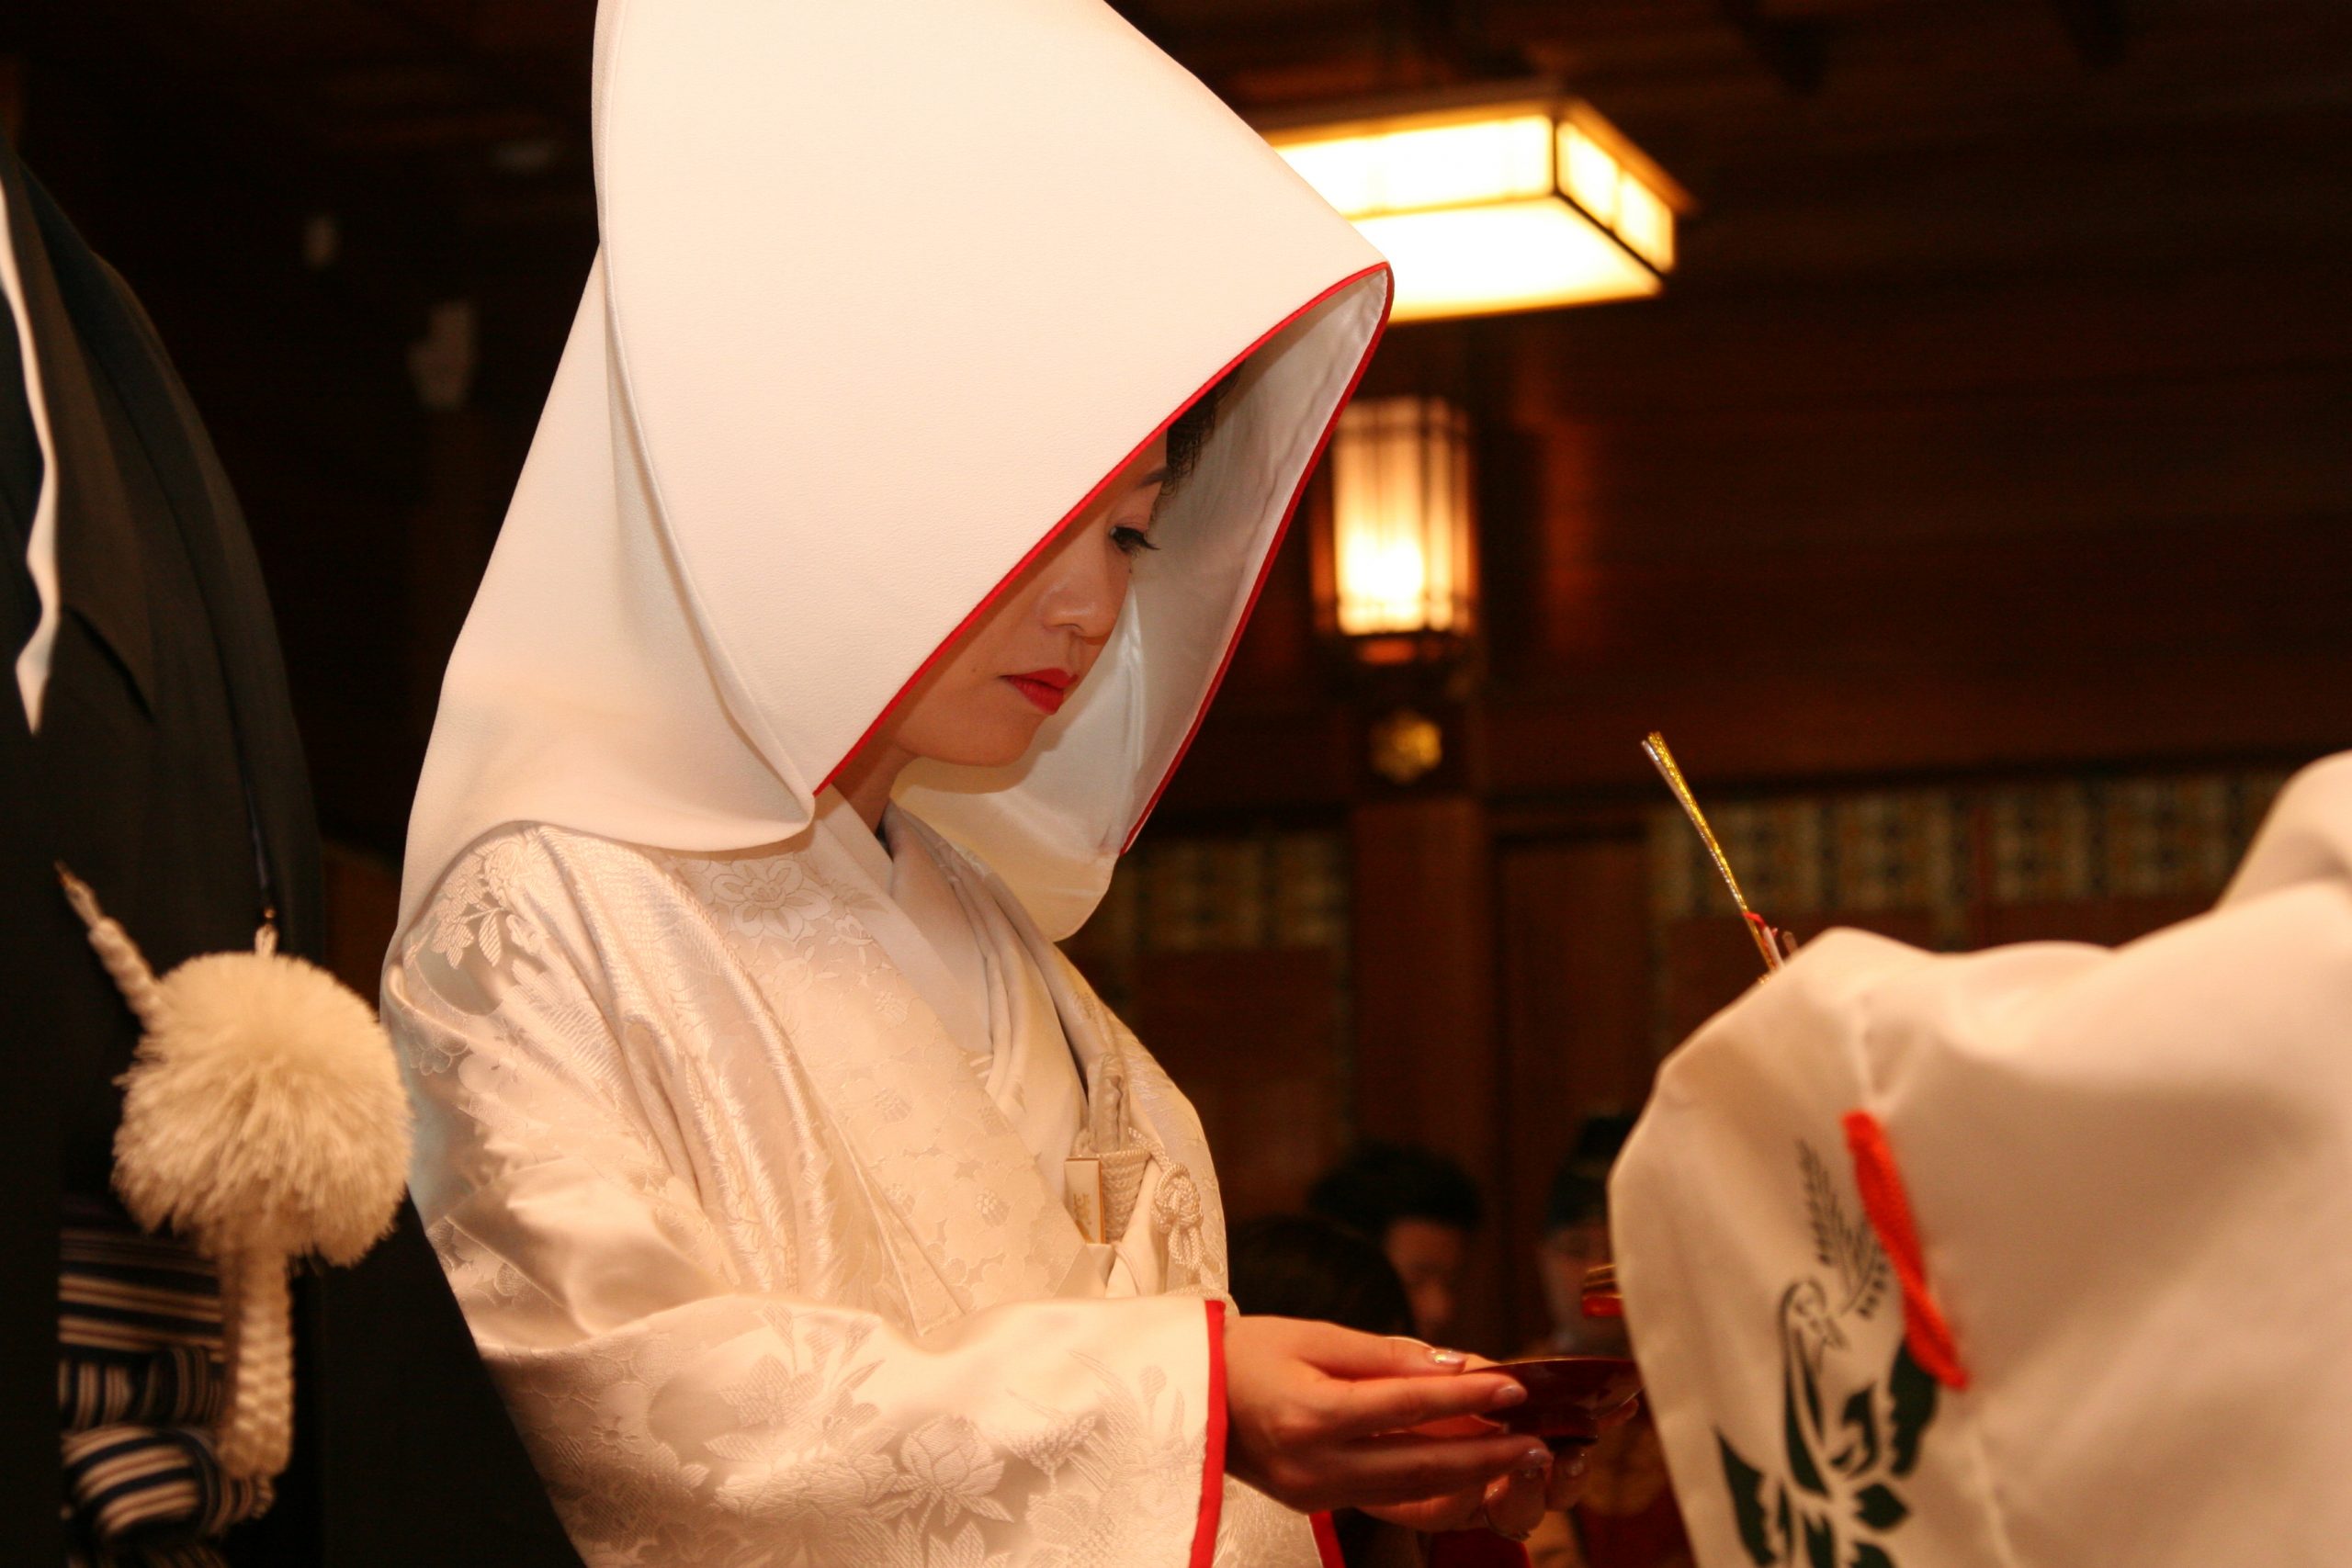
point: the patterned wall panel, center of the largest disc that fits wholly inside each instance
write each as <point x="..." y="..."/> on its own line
<point x="1230" y="956"/>
<point x="1231" y="892"/>
<point x="1952" y="867"/>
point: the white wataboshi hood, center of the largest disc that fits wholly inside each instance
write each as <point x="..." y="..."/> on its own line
<point x="889" y="289"/>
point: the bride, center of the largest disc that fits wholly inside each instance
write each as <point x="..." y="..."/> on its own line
<point x="940" y="393"/>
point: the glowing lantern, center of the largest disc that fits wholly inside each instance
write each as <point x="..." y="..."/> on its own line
<point x="1501" y="205"/>
<point x="1404" y="554"/>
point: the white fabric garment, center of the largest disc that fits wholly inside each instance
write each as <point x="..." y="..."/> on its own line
<point x="888" y="291"/>
<point x="2126" y="1185"/>
<point x="964" y="956"/>
<point x="40" y="540"/>
<point x="744" y="1140"/>
<point x="763" y="1272"/>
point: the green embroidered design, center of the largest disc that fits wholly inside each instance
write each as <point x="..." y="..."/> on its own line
<point x="1844" y="1449"/>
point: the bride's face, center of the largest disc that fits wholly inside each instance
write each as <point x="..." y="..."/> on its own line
<point x="982" y="705"/>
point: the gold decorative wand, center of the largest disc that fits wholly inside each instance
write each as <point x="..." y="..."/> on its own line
<point x="1767" y="939"/>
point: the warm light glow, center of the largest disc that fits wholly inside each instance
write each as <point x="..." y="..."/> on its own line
<point x="1508" y="208"/>
<point x="1590" y="174"/>
<point x="1525" y="256"/>
<point x="1402" y="534"/>
<point x="1439" y="166"/>
<point x="1646" y="224"/>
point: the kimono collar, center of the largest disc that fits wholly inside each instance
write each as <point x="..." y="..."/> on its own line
<point x="861" y="858"/>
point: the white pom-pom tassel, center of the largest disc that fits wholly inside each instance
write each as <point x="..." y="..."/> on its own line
<point x="262" y="1117"/>
<point x="257" y="1427"/>
<point x="263" y="1112"/>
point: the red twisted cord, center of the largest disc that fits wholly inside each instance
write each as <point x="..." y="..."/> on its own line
<point x="1924" y="1328"/>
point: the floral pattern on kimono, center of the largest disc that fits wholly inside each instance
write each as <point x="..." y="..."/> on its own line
<point x="765" y="1277"/>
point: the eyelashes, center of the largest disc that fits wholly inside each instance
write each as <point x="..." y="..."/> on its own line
<point x="1130" y="540"/>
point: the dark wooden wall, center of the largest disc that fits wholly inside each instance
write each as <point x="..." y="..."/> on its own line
<point x="1998" y="424"/>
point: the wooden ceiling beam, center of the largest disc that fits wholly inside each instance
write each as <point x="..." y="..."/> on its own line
<point x="1220" y="49"/>
<point x="2096" y="29"/>
<point x="1790" y="49"/>
<point x="555" y="87"/>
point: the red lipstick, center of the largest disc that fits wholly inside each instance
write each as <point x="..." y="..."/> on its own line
<point x="1048" y="688"/>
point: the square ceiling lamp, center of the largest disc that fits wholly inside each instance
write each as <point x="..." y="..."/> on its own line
<point x="1521" y="203"/>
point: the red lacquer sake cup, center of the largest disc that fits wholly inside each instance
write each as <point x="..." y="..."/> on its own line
<point x="1568" y="1396"/>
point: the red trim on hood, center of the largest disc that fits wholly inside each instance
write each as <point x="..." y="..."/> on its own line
<point x="1282" y="529"/>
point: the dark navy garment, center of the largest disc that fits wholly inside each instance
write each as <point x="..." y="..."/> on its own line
<point x="167" y="773"/>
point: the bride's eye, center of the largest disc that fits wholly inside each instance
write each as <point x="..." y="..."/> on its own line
<point x="1130" y="540"/>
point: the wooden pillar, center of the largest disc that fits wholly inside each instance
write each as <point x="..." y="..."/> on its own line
<point x="1574" y="937"/>
<point x="1427" y="1060"/>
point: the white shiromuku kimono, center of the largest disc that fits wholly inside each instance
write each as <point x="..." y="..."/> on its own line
<point x="2034" y="1257"/>
<point x="807" y="1206"/>
<point x="755" y="1242"/>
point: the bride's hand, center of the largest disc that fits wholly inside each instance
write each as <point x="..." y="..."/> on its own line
<point x="1512" y="1504"/>
<point x="1320" y="1417"/>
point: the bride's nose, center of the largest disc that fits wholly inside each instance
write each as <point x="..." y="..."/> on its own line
<point x="1084" y="590"/>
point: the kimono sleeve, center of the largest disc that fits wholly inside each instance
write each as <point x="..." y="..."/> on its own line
<point x="2064" y="1222"/>
<point x="686" y="1407"/>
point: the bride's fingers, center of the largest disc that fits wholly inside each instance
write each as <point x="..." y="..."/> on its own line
<point x="1516" y="1503"/>
<point x="1434" y="1516"/>
<point x="1571" y="1473"/>
<point x="1397" y="1404"/>
<point x="1344" y="1353"/>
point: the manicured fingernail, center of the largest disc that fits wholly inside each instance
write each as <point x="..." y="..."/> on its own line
<point x="1511" y="1393"/>
<point x="1446" y="1358"/>
<point x="1533" y="1463"/>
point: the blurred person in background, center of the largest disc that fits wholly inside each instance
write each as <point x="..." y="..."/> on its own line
<point x="1629" y="1518"/>
<point x="1422" y="1208"/>
<point x="1576" y="1239"/>
<point x="1305" y="1266"/>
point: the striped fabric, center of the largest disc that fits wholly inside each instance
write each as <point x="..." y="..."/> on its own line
<point x="140" y="1380"/>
